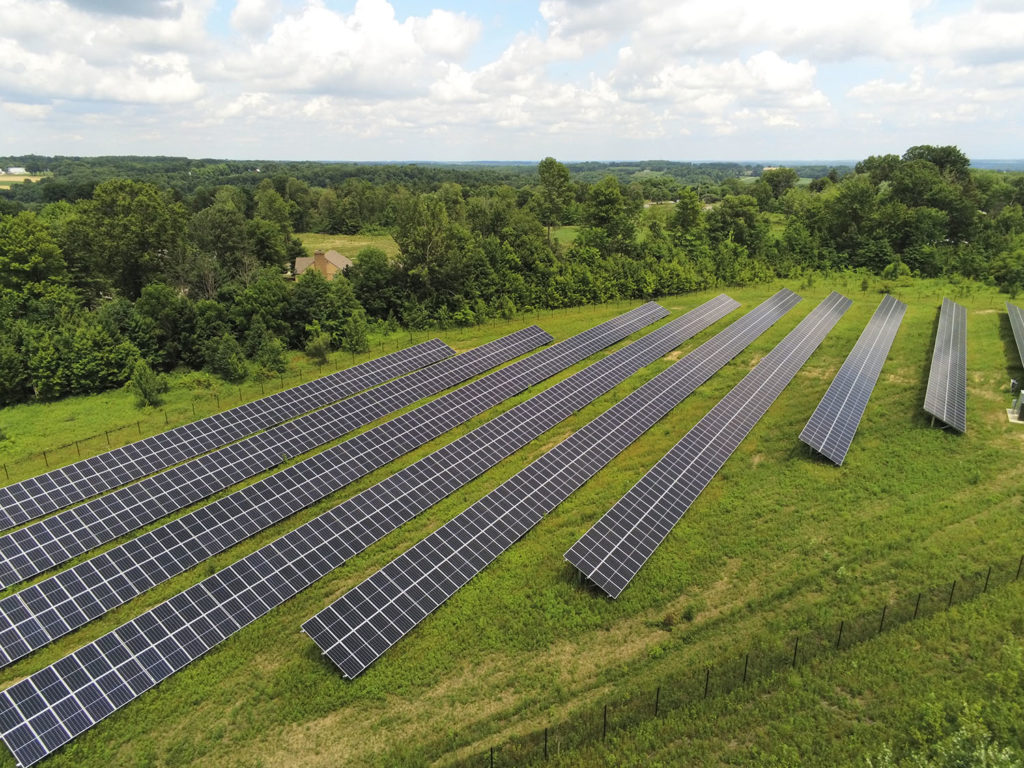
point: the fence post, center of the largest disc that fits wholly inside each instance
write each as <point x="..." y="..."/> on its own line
<point x="796" y="645"/>
<point x="951" y="591"/>
<point x="78" y="448"/>
<point x="746" y="663"/>
<point x="138" y="426"/>
<point x="840" y="638"/>
<point x="492" y="757"/>
<point x="657" y="700"/>
<point x="545" y="743"/>
<point x="166" y="420"/>
<point x="707" y="681"/>
<point x="987" y="577"/>
<point x="6" y="473"/>
<point x="881" y="623"/>
<point x="193" y="409"/>
<point x="107" y="433"/>
<point x="46" y="461"/>
<point x="917" y="605"/>
<point x="604" y="728"/>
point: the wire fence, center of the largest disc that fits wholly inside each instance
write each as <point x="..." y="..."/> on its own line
<point x="596" y="723"/>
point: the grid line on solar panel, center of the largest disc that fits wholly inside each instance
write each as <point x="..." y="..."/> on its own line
<point x="61" y="487"/>
<point x="946" y="396"/>
<point x="832" y="426"/>
<point x="370" y="618"/>
<point x="31" y="550"/>
<point x="1017" y="324"/>
<point x="614" y="549"/>
<point x="38" y="614"/>
<point x="241" y="592"/>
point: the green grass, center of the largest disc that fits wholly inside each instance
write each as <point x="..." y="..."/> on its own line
<point x="779" y="541"/>
<point x="564" y="235"/>
<point x="348" y="245"/>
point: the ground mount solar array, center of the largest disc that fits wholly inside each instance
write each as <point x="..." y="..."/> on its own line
<point x="59" y="488"/>
<point x="946" y="396"/>
<point x="95" y="681"/>
<point x="45" y="710"/>
<point x="832" y="426"/>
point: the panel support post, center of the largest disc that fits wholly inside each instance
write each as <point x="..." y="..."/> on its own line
<point x="839" y="639"/>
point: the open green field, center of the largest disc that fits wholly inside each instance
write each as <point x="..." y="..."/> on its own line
<point x="779" y="541"/>
<point x="347" y="245"/>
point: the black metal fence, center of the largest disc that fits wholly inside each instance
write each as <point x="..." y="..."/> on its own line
<point x="594" y="724"/>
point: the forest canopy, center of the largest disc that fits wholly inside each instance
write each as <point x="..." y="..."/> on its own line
<point x="106" y="262"/>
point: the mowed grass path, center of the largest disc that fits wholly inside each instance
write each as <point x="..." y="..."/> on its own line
<point x="778" y="541"/>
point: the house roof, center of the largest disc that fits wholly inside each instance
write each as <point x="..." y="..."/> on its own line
<point x="302" y="263"/>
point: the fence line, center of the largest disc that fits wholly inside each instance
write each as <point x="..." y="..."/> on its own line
<point x="592" y="724"/>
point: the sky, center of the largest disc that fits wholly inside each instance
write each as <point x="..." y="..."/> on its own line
<point x="453" y="80"/>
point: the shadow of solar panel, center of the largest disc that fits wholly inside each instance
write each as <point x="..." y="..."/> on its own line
<point x="68" y="485"/>
<point x="946" y="397"/>
<point x="169" y="636"/>
<point x="366" y="621"/>
<point x="1017" y="324"/>
<point x="833" y="424"/>
<point x="55" y="540"/>
<point x="612" y="552"/>
<point x="55" y="606"/>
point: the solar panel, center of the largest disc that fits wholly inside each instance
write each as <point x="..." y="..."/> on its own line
<point x="356" y="629"/>
<point x="946" y="397"/>
<point x="62" y="487"/>
<point x="51" y="608"/>
<point x="1017" y="324"/>
<point x="55" y="540"/>
<point x="186" y="626"/>
<point x="833" y="424"/>
<point x="612" y="552"/>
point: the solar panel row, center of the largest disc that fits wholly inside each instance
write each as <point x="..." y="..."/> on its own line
<point x="51" y="608"/>
<point x="55" y="540"/>
<point x="356" y="629"/>
<point x="57" y="605"/>
<point x="612" y="552"/>
<point x="1017" y="324"/>
<point x="59" y="488"/>
<point x="833" y="424"/>
<point x="946" y="397"/>
<point x="180" y="630"/>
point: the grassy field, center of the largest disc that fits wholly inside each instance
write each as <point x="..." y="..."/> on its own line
<point x="347" y="245"/>
<point x="779" y="541"/>
<point x="6" y="179"/>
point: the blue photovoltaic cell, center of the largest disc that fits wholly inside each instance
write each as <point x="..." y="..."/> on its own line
<point x="360" y="626"/>
<point x="612" y="552"/>
<point x="51" y="608"/>
<point x="946" y="398"/>
<point x="833" y="424"/>
<point x="57" y="539"/>
<point x="166" y="638"/>
<point x="1017" y="324"/>
<point x="59" y="488"/>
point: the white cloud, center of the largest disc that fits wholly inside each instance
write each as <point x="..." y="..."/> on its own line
<point x="622" y="77"/>
<point x="255" y="17"/>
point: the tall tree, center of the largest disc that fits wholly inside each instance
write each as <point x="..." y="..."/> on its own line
<point x="555" y="193"/>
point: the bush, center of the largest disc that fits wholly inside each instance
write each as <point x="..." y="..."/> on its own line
<point x="227" y="359"/>
<point x="146" y="384"/>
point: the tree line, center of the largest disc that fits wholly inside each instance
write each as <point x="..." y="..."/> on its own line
<point x="139" y="275"/>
